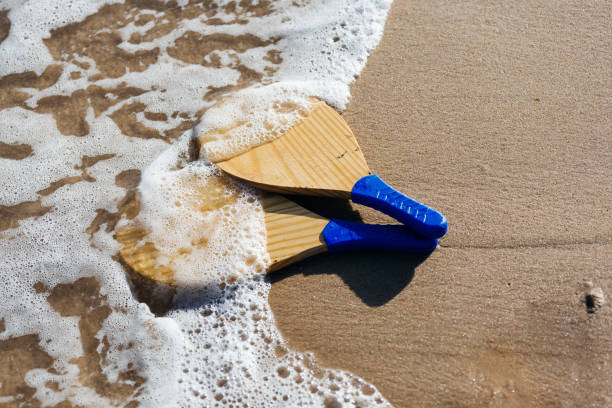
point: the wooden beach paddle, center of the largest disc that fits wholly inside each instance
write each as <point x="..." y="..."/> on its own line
<point x="293" y="233"/>
<point x="320" y="156"/>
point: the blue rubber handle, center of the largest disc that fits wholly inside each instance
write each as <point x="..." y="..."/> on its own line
<point x="351" y="236"/>
<point x="375" y="193"/>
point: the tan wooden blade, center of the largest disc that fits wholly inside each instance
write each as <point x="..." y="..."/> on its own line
<point x="142" y="257"/>
<point x="319" y="156"/>
<point x="293" y="232"/>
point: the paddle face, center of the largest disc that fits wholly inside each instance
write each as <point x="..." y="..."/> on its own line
<point x="319" y="156"/>
<point x="293" y="232"/>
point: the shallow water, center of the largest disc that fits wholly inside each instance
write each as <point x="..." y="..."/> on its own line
<point x="98" y="104"/>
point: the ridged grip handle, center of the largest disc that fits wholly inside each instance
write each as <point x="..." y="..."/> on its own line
<point x="351" y="236"/>
<point x="375" y="193"/>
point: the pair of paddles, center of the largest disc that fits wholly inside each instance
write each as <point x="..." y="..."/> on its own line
<point x="320" y="156"/>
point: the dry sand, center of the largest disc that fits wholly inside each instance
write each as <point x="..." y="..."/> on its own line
<point x="498" y="115"/>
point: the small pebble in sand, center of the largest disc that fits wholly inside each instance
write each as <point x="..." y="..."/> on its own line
<point x="593" y="297"/>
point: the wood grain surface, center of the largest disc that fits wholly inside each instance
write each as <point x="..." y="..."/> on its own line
<point x="498" y="115"/>
<point x="319" y="156"/>
<point x="141" y="255"/>
<point x="293" y="232"/>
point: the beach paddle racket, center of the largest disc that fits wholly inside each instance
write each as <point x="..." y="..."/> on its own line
<point x="293" y="233"/>
<point x="320" y="156"/>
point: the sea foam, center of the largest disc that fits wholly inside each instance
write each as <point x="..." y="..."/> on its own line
<point x="105" y="96"/>
<point x="251" y="117"/>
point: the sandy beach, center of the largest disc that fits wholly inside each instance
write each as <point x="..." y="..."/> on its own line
<point x="499" y="116"/>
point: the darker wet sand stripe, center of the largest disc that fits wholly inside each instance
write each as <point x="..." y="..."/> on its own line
<point x="5" y="25"/>
<point x="11" y="215"/>
<point x="56" y="185"/>
<point x="15" y="151"/>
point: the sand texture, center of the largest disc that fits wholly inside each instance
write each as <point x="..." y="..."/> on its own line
<point x="499" y="116"/>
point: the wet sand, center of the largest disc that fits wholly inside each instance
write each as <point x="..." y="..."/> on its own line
<point x="498" y="115"/>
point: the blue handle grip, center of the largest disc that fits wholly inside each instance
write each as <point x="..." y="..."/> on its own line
<point x="375" y="193"/>
<point x="351" y="236"/>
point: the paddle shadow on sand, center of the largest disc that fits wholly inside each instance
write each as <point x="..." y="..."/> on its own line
<point x="375" y="277"/>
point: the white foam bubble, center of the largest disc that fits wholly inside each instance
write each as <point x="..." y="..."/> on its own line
<point x="251" y="117"/>
<point x="244" y="351"/>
